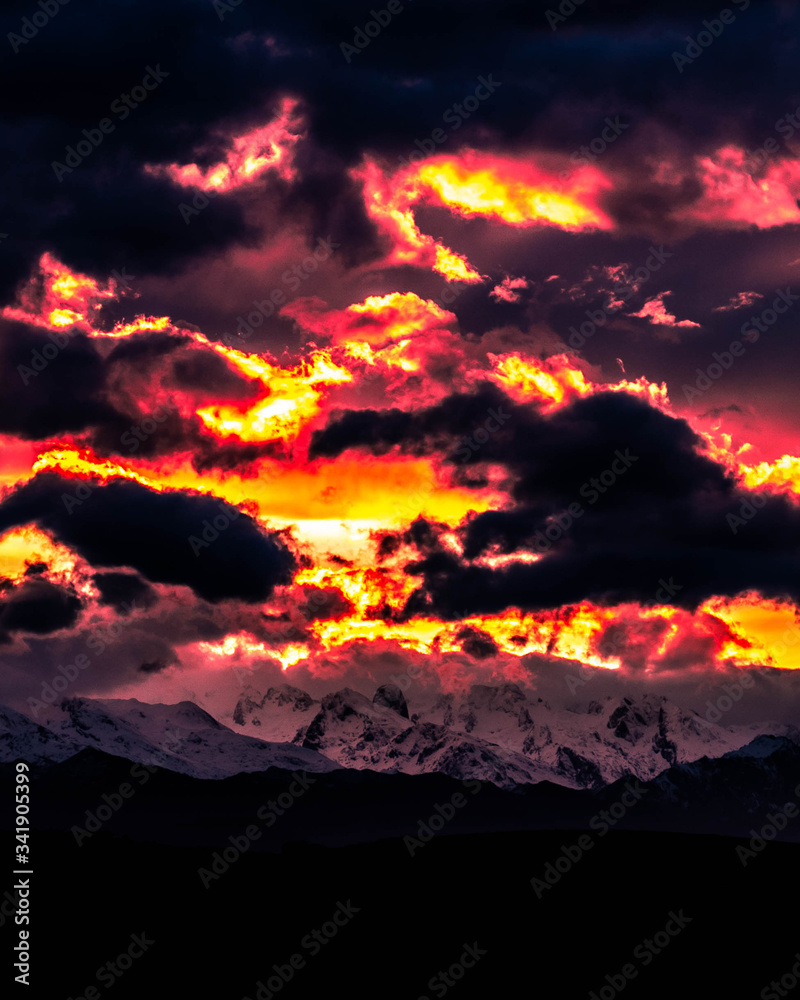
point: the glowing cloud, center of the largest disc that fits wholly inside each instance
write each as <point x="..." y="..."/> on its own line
<point x="733" y="198"/>
<point x="292" y="397"/>
<point x="552" y="381"/>
<point x="250" y="155"/>
<point x="376" y="321"/>
<point x="338" y="511"/>
<point x="506" y="291"/>
<point x="56" y="298"/>
<point x="515" y="192"/>
<point x="739" y="301"/>
<point x="655" y="311"/>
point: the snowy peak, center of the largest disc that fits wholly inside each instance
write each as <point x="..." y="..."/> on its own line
<point x="92" y="715"/>
<point x="491" y="711"/>
<point x="346" y="721"/>
<point x="182" y="738"/>
<point x="390" y="696"/>
<point x="506" y="733"/>
<point x="359" y="733"/>
<point x="502" y="733"/>
<point x="276" y="715"/>
<point x="23" y="739"/>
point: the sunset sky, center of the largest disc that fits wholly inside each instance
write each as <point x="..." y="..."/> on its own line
<point x="471" y="355"/>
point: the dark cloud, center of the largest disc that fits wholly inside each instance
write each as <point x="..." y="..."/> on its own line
<point x="124" y="591"/>
<point x="61" y="383"/>
<point x="649" y="506"/>
<point x="167" y="537"/>
<point x="153" y="668"/>
<point x="414" y="432"/>
<point x="52" y="384"/>
<point x="477" y="643"/>
<point x="38" y="606"/>
<point x="220" y="74"/>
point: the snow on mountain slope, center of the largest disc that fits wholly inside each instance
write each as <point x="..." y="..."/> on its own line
<point x="359" y="733"/>
<point x="501" y="733"/>
<point x="276" y="715"/>
<point x="180" y="737"/>
<point x="595" y="746"/>
<point x="23" y="739"/>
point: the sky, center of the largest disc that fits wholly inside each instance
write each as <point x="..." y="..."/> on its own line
<point x="434" y="344"/>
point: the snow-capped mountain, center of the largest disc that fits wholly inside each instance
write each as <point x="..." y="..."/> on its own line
<point x="276" y="715"/>
<point x="589" y="748"/>
<point x="497" y="733"/>
<point x="359" y="733"/>
<point x="501" y="734"/>
<point x="23" y="739"/>
<point x="180" y="737"/>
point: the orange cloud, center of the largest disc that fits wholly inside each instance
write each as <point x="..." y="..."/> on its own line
<point x="250" y="155"/>
<point x="376" y="321"/>
<point x="655" y="311"/>
<point x="506" y="291"/>
<point x="56" y="298"/>
<point x="733" y="198"/>
<point x="346" y="505"/>
<point x="516" y="192"/>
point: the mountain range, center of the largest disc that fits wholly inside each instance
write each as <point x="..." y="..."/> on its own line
<point x="499" y="734"/>
<point x="377" y="769"/>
